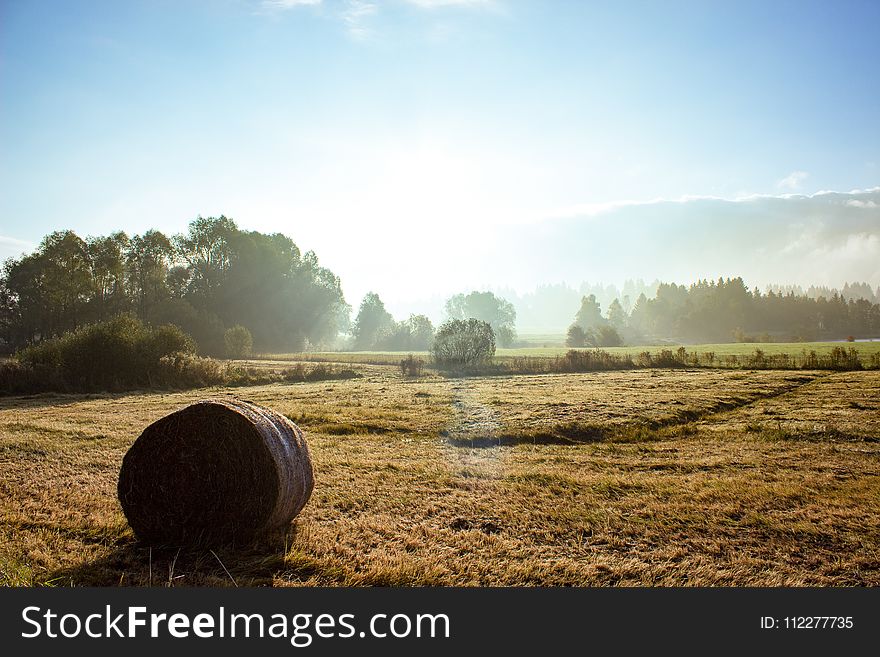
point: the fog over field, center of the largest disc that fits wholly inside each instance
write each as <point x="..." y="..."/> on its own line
<point x="823" y="239"/>
<point x="766" y="239"/>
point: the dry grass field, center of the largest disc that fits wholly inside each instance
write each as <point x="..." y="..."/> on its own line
<point x="643" y="477"/>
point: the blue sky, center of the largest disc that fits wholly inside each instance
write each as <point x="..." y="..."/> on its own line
<point x="360" y="127"/>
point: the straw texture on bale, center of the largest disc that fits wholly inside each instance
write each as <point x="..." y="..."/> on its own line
<point x="217" y="471"/>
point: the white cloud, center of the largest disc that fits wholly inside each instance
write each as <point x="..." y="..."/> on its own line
<point x="793" y="180"/>
<point x="356" y="15"/>
<point x="594" y="209"/>
<point x="868" y="205"/>
<point x="821" y="238"/>
<point x="808" y="239"/>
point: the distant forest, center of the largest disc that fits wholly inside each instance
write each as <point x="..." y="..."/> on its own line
<point x="727" y="311"/>
<point x="549" y="306"/>
<point x="217" y="276"/>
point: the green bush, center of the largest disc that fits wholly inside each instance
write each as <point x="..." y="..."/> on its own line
<point x="118" y="354"/>
<point x="463" y="343"/>
<point x="576" y="337"/>
<point x="186" y="370"/>
<point x="123" y="354"/>
<point x="238" y="342"/>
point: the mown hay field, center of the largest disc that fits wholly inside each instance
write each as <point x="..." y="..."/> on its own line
<point x="642" y="477"/>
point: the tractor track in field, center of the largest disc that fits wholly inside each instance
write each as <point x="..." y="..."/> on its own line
<point x="689" y="416"/>
<point x="478" y="425"/>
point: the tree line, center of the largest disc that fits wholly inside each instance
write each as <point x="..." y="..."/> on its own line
<point x="211" y="277"/>
<point x="216" y="280"/>
<point x="374" y="328"/>
<point x="725" y="310"/>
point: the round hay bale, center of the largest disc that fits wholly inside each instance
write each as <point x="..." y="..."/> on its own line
<point x="217" y="471"/>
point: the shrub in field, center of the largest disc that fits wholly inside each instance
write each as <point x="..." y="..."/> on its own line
<point x="809" y="361"/>
<point x="300" y="373"/>
<point x="124" y="354"/>
<point x="160" y="341"/>
<point x="576" y="337"/>
<point x="116" y="354"/>
<point x="186" y="370"/>
<point x="592" y="360"/>
<point x="238" y="342"/>
<point x="757" y="360"/>
<point x="844" y="359"/>
<point x="575" y="360"/>
<point x="463" y="342"/>
<point x="411" y="366"/>
<point x="666" y="358"/>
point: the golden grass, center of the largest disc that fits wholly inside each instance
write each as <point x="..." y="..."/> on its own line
<point x="697" y="478"/>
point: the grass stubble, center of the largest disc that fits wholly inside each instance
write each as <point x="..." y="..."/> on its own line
<point x="644" y="477"/>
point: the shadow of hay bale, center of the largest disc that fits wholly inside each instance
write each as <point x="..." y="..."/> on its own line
<point x="217" y="472"/>
<point x="130" y="563"/>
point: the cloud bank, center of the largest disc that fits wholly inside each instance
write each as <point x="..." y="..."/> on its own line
<point x="826" y="238"/>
